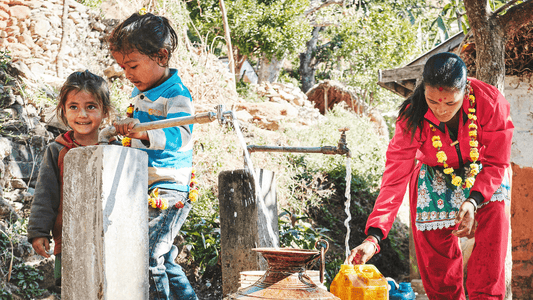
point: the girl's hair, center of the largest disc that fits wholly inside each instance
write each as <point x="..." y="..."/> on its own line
<point x="84" y="82"/>
<point x="147" y="34"/>
<point x="445" y="70"/>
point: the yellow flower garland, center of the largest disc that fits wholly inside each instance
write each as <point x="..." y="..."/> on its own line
<point x="474" y="153"/>
<point x="193" y="188"/>
<point x="155" y="201"/>
<point x="126" y="141"/>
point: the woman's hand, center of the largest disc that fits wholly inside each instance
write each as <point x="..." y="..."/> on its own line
<point x="41" y="246"/>
<point x="465" y="219"/>
<point x="124" y="127"/>
<point x="362" y="253"/>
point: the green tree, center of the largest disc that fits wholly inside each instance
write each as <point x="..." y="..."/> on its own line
<point x="270" y="28"/>
<point x="363" y="41"/>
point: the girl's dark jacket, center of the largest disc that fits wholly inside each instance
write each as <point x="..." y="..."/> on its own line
<point x="47" y="206"/>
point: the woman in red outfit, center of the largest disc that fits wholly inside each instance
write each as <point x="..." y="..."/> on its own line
<point x="452" y="145"/>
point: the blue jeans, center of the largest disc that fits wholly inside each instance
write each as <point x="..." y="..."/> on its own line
<point x="167" y="279"/>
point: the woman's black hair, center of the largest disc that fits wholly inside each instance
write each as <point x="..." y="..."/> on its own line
<point x="145" y="33"/>
<point x="84" y="82"/>
<point x="446" y="70"/>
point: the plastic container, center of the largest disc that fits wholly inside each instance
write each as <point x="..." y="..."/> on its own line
<point x="360" y="282"/>
<point x="403" y="292"/>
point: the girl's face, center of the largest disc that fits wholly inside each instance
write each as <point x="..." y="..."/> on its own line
<point x="84" y="115"/>
<point x="444" y="103"/>
<point x="144" y="72"/>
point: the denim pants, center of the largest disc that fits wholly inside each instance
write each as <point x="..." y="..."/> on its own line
<point x="167" y="279"/>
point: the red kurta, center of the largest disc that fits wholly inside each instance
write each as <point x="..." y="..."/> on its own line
<point x="438" y="252"/>
<point x="495" y="131"/>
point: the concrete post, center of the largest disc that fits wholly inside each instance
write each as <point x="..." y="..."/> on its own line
<point x="105" y="224"/>
<point x="243" y="225"/>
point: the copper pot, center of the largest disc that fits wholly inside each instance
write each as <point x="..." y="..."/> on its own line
<point x="285" y="277"/>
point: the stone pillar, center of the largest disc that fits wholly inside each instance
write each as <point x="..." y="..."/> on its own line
<point x="105" y="224"/>
<point x="243" y="224"/>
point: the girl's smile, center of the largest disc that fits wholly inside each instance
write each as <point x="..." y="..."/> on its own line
<point x="84" y="116"/>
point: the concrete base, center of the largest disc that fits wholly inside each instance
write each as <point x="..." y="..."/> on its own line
<point x="105" y="224"/>
<point x="243" y="225"/>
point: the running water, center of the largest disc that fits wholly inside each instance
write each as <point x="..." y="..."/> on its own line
<point x="347" y="204"/>
<point x="248" y="162"/>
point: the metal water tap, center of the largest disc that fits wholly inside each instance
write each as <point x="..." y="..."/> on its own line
<point x="224" y="116"/>
<point x="343" y="145"/>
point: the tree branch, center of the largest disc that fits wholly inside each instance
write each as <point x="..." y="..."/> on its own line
<point x="313" y="8"/>
<point x="516" y="17"/>
<point x="507" y="5"/>
<point x="324" y="24"/>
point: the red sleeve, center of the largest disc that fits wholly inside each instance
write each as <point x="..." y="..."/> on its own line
<point x="496" y="137"/>
<point x="399" y="165"/>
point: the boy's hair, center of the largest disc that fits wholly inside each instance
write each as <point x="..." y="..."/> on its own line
<point x="445" y="70"/>
<point x="147" y="34"/>
<point x="87" y="82"/>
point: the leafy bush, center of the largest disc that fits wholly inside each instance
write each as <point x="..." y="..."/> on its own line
<point x="247" y="91"/>
<point x="367" y="150"/>
<point x="5" y="59"/>
<point x="23" y="276"/>
<point x="296" y="232"/>
<point x="26" y="277"/>
<point x="202" y="230"/>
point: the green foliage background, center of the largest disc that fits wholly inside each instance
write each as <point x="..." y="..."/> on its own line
<point x="273" y="27"/>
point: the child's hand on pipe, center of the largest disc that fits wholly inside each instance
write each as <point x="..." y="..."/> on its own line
<point x="124" y="128"/>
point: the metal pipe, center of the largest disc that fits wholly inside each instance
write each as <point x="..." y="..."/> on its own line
<point x="174" y="122"/>
<point x="109" y="132"/>
<point x="341" y="148"/>
<point x="323" y="150"/>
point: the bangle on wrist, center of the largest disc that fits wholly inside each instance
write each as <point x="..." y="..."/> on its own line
<point x="471" y="200"/>
<point x="376" y="245"/>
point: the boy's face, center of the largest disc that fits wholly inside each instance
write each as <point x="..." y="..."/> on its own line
<point x="144" y="72"/>
<point x="84" y="115"/>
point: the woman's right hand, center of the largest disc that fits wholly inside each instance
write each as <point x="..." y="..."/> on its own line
<point x="41" y="245"/>
<point x="362" y="253"/>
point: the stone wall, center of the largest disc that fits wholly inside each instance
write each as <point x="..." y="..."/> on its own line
<point x="519" y="92"/>
<point x="31" y="30"/>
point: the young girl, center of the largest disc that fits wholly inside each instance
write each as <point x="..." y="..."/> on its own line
<point x="142" y="45"/>
<point x="83" y="104"/>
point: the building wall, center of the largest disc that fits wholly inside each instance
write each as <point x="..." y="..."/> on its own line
<point x="519" y="93"/>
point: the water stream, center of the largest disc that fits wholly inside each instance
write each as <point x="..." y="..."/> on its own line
<point x="258" y="193"/>
<point x="347" y="204"/>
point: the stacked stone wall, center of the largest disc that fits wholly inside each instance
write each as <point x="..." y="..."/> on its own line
<point x="32" y="32"/>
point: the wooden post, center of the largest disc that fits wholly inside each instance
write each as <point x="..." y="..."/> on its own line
<point x="243" y="226"/>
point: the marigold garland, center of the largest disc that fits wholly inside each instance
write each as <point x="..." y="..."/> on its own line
<point x="193" y="188"/>
<point x="126" y="141"/>
<point x="474" y="153"/>
<point x="155" y="201"/>
<point x="129" y="111"/>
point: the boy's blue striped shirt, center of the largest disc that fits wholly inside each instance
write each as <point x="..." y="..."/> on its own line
<point x="170" y="149"/>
